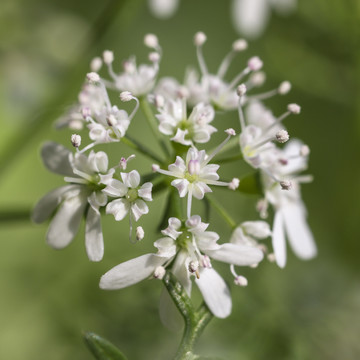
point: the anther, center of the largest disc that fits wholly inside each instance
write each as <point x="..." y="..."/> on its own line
<point x="76" y="140"/>
<point x="111" y="120"/>
<point x="108" y="57"/>
<point x="154" y="57"/>
<point x="294" y="108"/>
<point x="286" y="185"/>
<point x="151" y="41"/>
<point x="126" y="96"/>
<point x="240" y="281"/>
<point x="230" y="132"/>
<point x="234" y="184"/>
<point x="96" y="64"/>
<point x="241" y="90"/>
<point x="93" y="77"/>
<point x="282" y="136"/>
<point x="155" y="167"/>
<point x="255" y="63"/>
<point x="284" y="88"/>
<point x="240" y="45"/>
<point x="199" y="38"/>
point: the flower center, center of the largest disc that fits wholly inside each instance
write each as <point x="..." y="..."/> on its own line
<point x="132" y="195"/>
<point x="183" y="240"/>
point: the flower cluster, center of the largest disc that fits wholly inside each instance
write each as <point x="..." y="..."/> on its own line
<point x="182" y="117"/>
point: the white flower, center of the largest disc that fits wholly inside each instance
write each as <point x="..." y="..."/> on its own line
<point x="186" y="130"/>
<point x="194" y="175"/>
<point x="188" y="244"/>
<point x="130" y="196"/>
<point x="71" y="201"/>
<point x="250" y="17"/>
<point x="290" y="212"/>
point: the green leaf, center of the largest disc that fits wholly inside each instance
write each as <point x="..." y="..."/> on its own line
<point x="251" y="184"/>
<point x="101" y="348"/>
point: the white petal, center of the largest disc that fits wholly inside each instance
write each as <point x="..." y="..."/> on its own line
<point x="163" y="8"/>
<point x="199" y="189"/>
<point x="47" y="204"/>
<point x="236" y="254"/>
<point x="180" y="137"/>
<point x="182" y="186"/>
<point x="131" y="179"/>
<point x="145" y="191"/>
<point x="166" y="247"/>
<point x="139" y="208"/>
<point x="66" y="222"/>
<point x="250" y="16"/>
<point x="257" y="229"/>
<point x="299" y="234"/>
<point x="99" y="162"/>
<point x="119" y="208"/>
<point x="56" y="158"/>
<point x="278" y="239"/>
<point x="215" y="292"/>
<point x="94" y="241"/>
<point x="130" y="272"/>
<point x="115" y="188"/>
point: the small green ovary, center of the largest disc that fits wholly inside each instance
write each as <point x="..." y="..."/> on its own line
<point x="184" y="239"/>
<point x="132" y="195"/>
<point x="191" y="178"/>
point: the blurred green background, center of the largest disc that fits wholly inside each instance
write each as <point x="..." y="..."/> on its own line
<point x="309" y="310"/>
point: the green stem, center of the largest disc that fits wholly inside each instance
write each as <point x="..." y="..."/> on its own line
<point x="145" y="107"/>
<point x="232" y="143"/>
<point x="222" y="211"/>
<point x="195" y="320"/>
<point x="127" y="140"/>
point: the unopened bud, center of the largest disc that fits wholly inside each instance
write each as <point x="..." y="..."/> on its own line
<point x="284" y="88"/>
<point x="240" y="45"/>
<point x="282" y="136"/>
<point x="286" y="185"/>
<point x="139" y="233"/>
<point x="241" y="90"/>
<point x="199" y="38"/>
<point x="240" y="281"/>
<point x="255" y="63"/>
<point x="93" y="77"/>
<point x="151" y="41"/>
<point x="294" y="108"/>
<point x="230" y="132"/>
<point x="96" y="64"/>
<point x="159" y="272"/>
<point x="126" y="96"/>
<point x="76" y="140"/>
<point x="234" y="184"/>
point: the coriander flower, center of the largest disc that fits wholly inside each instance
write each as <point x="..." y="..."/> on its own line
<point x="191" y="247"/>
<point x="129" y="196"/>
<point x="195" y="174"/>
<point x="70" y="202"/>
<point x="290" y="212"/>
<point x="183" y="129"/>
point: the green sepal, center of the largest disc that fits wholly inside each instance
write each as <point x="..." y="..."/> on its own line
<point x="251" y="184"/>
<point x="102" y="349"/>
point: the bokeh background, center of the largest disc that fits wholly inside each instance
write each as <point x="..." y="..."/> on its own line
<point x="309" y="310"/>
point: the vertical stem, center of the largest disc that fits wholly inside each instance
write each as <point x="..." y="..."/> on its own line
<point x="195" y="320"/>
<point x="221" y="210"/>
<point x="145" y="107"/>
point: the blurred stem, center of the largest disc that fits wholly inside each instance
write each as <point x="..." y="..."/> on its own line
<point x="222" y="211"/>
<point x="29" y="129"/>
<point x="228" y="159"/>
<point x="14" y="215"/>
<point x="195" y="320"/>
<point x="127" y="140"/>
<point x="232" y="143"/>
<point x="145" y="107"/>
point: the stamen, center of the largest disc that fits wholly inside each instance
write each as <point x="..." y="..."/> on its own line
<point x="126" y="96"/>
<point x="199" y="40"/>
<point x="284" y="88"/>
<point x="76" y="140"/>
<point x="108" y="57"/>
<point x="151" y="41"/>
<point x="159" y="272"/>
<point x="230" y="132"/>
<point x="139" y="233"/>
<point x="241" y="91"/>
<point x="282" y="136"/>
<point x="93" y="77"/>
<point x="240" y="281"/>
<point x="234" y="184"/>
<point x="286" y="185"/>
<point x="188" y="212"/>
